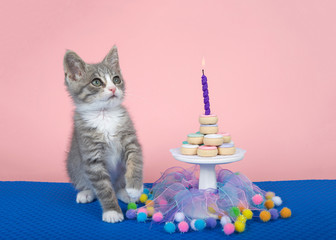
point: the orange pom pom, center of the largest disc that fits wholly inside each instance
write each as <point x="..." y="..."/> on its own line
<point x="149" y="203"/>
<point x="241" y="207"/>
<point x="269" y="204"/>
<point x="285" y="212"/>
<point x="265" y="216"/>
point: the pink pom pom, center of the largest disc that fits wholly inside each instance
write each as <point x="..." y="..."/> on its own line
<point x="257" y="199"/>
<point x="183" y="226"/>
<point x="144" y="210"/>
<point x="163" y="202"/>
<point x="157" y="217"/>
<point x="229" y="228"/>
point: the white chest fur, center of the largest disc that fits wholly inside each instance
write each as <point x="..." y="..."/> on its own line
<point x="107" y="122"/>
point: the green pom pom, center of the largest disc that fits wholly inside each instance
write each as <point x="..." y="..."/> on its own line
<point x="185" y="142"/>
<point x="131" y="205"/>
<point x="198" y="132"/>
<point x="234" y="212"/>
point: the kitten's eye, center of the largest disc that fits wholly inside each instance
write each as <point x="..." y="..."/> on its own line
<point x="96" y="82"/>
<point x="116" y="80"/>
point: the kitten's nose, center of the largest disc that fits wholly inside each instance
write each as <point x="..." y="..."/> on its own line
<point x="112" y="90"/>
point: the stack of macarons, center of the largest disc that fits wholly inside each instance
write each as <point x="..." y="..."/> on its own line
<point x="208" y="142"/>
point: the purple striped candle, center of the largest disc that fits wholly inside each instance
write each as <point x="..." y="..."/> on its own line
<point x="205" y="91"/>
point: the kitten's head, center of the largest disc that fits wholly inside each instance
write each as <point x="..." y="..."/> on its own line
<point x="94" y="86"/>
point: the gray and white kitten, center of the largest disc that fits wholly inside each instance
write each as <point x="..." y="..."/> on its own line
<point x="105" y="158"/>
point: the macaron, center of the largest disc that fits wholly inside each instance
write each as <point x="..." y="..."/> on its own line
<point x="226" y="149"/>
<point x="209" y="129"/>
<point x="207" y="151"/>
<point x="208" y="119"/>
<point x="213" y="139"/>
<point x="226" y="136"/>
<point x="195" y="138"/>
<point x="189" y="149"/>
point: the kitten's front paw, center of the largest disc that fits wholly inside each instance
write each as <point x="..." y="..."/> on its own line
<point x="134" y="194"/>
<point x="85" y="196"/>
<point x="123" y="196"/>
<point x="112" y="217"/>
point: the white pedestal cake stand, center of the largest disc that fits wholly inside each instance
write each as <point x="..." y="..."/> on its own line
<point x="207" y="178"/>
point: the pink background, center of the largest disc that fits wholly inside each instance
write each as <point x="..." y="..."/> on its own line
<point x="270" y="65"/>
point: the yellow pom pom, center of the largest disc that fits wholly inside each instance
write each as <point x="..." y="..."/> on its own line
<point x="239" y="226"/>
<point x="248" y="214"/>
<point x="150" y="211"/>
<point x="269" y="195"/>
<point x="265" y="216"/>
<point x="211" y="210"/>
<point x="143" y="198"/>
<point x="285" y="212"/>
<point x="269" y="204"/>
<point x="241" y="218"/>
<point x="149" y="203"/>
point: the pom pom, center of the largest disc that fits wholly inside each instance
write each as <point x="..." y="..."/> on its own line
<point x="269" y="204"/>
<point x="131" y="214"/>
<point x="179" y="217"/>
<point x="228" y="228"/>
<point x="241" y="218"/>
<point x="163" y="202"/>
<point x="132" y="205"/>
<point x="269" y="195"/>
<point x="146" y="191"/>
<point x="192" y="224"/>
<point x="234" y="212"/>
<point x="170" y="227"/>
<point x="150" y="211"/>
<point x="183" y="226"/>
<point x="142" y="210"/>
<point x="157" y="217"/>
<point x="143" y="198"/>
<point x="149" y="203"/>
<point x="274" y="213"/>
<point x="211" y="222"/>
<point x="265" y="216"/>
<point x="211" y="210"/>
<point x="142" y="217"/>
<point x="239" y="226"/>
<point x="248" y="214"/>
<point x="257" y="199"/>
<point x="200" y="224"/>
<point x="241" y="207"/>
<point x="285" y="212"/>
<point x="277" y="201"/>
<point x="225" y="220"/>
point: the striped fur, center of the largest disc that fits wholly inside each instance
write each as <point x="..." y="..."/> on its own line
<point x="105" y="157"/>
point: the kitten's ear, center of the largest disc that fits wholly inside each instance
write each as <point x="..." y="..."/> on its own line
<point x="112" y="58"/>
<point x="74" y="66"/>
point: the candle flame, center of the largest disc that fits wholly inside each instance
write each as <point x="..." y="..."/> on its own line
<point x="203" y="62"/>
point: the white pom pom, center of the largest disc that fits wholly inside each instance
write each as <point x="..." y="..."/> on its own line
<point x="192" y="224"/>
<point x="224" y="220"/>
<point x="277" y="201"/>
<point x="179" y="217"/>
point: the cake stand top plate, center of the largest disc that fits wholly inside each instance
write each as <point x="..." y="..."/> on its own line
<point x="219" y="159"/>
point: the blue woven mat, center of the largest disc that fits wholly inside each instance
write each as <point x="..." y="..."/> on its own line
<point x="38" y="210"/>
